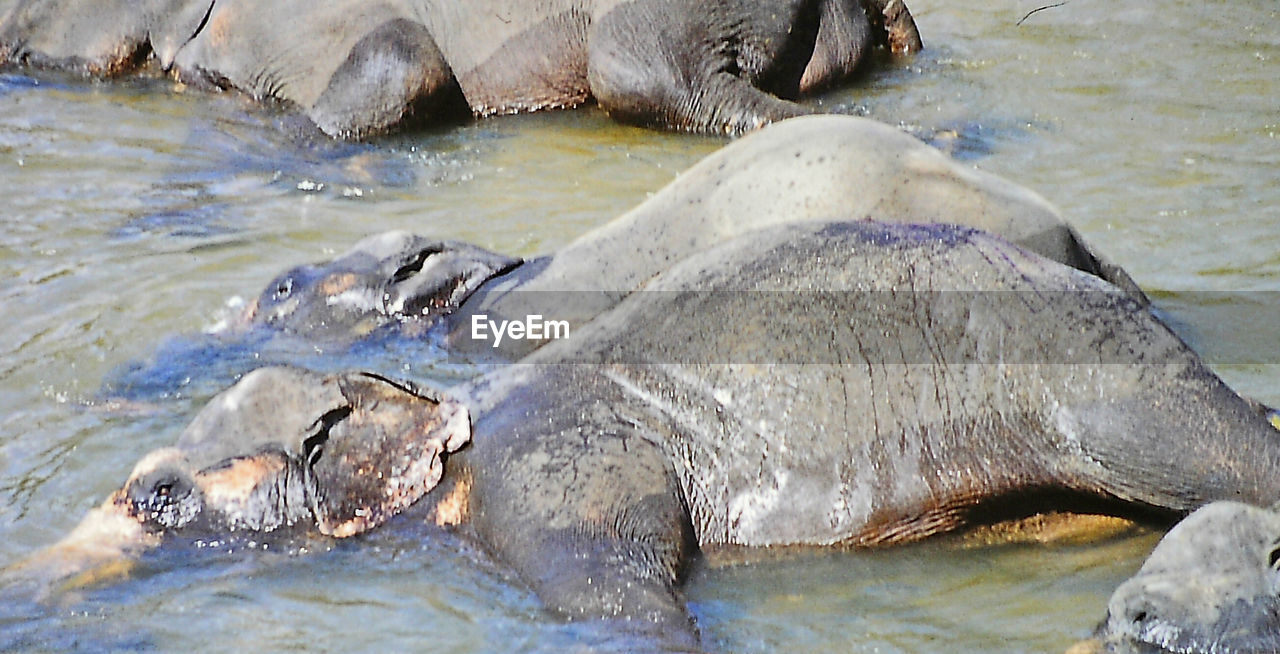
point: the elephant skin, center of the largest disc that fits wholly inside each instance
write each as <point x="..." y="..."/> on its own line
<point x="839" y="384"/>
<point x="843" y="385"/>
<point x="357" y="68"/>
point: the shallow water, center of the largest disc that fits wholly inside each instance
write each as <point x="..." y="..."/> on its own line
<point x="133" y="214"/>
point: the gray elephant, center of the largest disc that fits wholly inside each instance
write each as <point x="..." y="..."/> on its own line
<point x="839" y="384"/>
<point x="394" y="279"/>
<point x="283" y="448"/>
<point x="799" y="170"/>
<point x="358" y="68"/>
<point x="1212" y="584"/>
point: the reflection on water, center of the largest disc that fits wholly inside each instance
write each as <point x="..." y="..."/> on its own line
<point x="133" y="215"/>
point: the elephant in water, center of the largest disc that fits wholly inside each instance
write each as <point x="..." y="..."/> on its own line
<point x="357" y="68"/>
<point x="1212" y="584"/>
<point x="799" y="170"/>
<point x="817" y="384"/>
<point x="803" y="169"/>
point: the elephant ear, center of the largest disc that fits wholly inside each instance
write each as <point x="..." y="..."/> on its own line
<point x="380" y="453"/>
<point x="437" y="278"/>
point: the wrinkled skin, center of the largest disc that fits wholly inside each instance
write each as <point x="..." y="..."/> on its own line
<point x="284" y="450"/>
<point x="1212" y="584"/>
<point x="393" y="278"/>
<point x="358" y="68"/>
<point x="101" y="38"/>
<point x="921" y="380"/>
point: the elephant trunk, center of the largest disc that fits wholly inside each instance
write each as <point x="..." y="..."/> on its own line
<point x="102" y="547"/>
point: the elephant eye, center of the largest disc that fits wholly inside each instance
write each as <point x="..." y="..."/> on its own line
<point x="165" y="489"/>
<point x="162" y="489"/>
<point x="166" y="498"/>
<point x="1273" y="557"/>
<point x="283" y="288"/>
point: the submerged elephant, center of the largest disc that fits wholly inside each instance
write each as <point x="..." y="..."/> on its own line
<point x="839" y="384"/>
<point x="282" y="448"/>
<point x="357" y="68"/>
<point x="391" y="279"/>
<point x="1212" y="584"/>
<point x="798" y="170"/>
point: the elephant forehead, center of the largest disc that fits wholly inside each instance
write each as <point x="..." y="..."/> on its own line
<point x="270" y="406"/>
<point x="385" y="245"/>
<point x="339" y="283"/>
<point x="154" y="460"/>
<point x="347" y="293"/>
<point x="1213" y="568"/>
<point x="1225" y="538"/>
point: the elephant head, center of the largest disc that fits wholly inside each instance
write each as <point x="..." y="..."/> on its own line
<point x="284" y="450"/>
<point x="1212" y="584"/>
<point x="394" y="277"/>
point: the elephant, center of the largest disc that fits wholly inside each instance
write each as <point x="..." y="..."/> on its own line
<point x="357" y="69"/>
<point x="250" y="461"/>
<point x="1212" y="584"/>
<point x="394" y="278"/>
<point x="799" y="170"/>
<point x="840" y="384"/>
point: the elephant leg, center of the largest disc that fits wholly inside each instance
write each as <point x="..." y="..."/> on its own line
<point x="850" y="29"/>
<point x="844" y="38"/>
<point x="355" y="68"/>
<point x="585" y="574"/>
<point x="393" y="76"/>
<point x="592" y="518"/>
<point x="698" y="72"/>
<point x="591" y="553"/>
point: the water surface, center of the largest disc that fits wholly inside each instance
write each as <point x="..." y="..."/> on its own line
<point x="133" y="214"/>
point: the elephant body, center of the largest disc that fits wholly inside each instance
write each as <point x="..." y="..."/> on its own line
<point x="839" y="384"/>
<point x="798" y="171"/>
<point x="357" y="68"/>
<point x="806" y="169"/>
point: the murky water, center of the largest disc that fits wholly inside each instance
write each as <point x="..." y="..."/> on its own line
<point x="132" y="214"/>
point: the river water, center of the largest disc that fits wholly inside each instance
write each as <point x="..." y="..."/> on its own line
<point x="132" y="214"/>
